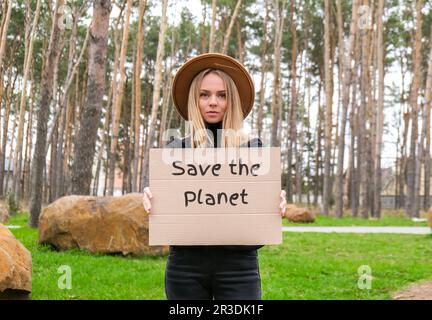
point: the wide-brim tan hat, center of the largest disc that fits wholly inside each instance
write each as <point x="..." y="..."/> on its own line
<point x="232" y="67"/>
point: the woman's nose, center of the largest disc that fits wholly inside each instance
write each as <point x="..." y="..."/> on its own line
<point x="213" y="100"/>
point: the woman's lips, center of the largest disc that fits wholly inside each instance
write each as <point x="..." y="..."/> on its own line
<point x="212" y="113"/>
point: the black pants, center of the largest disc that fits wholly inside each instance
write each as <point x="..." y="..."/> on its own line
<point x="195" y="273"/>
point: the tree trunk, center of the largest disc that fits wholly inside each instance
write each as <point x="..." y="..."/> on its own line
<point x="60" y="120"/>
<point x="167" y="90"/>
<point x="413" y="170"/>
<point x="240" y="44"/>
<point x="426" y="126"/>
<point x="372" y="111"/>
<point x="87" y="135"/>
<point x="156" y="92"/>
<point x="3" y="42"/>
<point x="380" y="111"/>
<point x="328" y="71"/>
<point x="345" y="79"/>
<point x="318" y="147"/>
<point x="263" y="73"/>
<point x="137" y="100"/>
<point x="299" y="167"/>
<point x="6" y="116"/>
<point x="355" y="127"/>
<point x="28" y="147"/>
<point x="404" y="160"/>
<point x="309" y="137"/>
<point x="363" y="140"/>
<point x="68" y="141"/>
<point x="146" y="128"/>
<point x="104" y="139"/>
<point x="230" y="26"/>
<point x="69" y="78"/>
<point x="147" y="108"/>
<point x="38" y="162"/>
<point x="118" y="101"/>
<point x="203" y="29"/>
<point x="213" y="28"/>
<point x="53" y="164"/>
<point x="126" y="186"/>
<point x="10" y="169"/>
<point x="276" y="97"/>
<point x="18" y="148"/>
<point x="292" y="139"/>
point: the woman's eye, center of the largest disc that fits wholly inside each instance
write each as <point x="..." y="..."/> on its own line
<point x="203" y="94"/>
<point x="222" y="95"/>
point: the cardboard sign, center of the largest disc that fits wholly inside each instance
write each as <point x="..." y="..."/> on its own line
<point x="215" y="196"/>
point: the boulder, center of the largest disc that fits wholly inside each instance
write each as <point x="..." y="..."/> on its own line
<point x="98" y="224"/>
<point x="297" y="214"/>
<point x="4" y="214"/>
<point x="15" y="267"/>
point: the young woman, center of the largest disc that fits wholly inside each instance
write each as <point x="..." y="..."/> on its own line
<point x="214" y="92"/>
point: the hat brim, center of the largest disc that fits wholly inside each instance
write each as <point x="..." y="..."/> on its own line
<point x="191" y="68"/>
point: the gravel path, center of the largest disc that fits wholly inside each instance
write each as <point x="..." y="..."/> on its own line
<point x="415" y="291"/>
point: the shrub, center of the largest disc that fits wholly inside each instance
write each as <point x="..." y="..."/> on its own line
<point x="13" y="205"/>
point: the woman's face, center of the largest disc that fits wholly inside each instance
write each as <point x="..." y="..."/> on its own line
<point x="212" y="98"/>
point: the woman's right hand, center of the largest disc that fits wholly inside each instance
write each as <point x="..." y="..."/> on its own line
<point x="147" y="199"/>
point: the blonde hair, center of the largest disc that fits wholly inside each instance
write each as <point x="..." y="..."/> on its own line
<point x="232" y="123"/>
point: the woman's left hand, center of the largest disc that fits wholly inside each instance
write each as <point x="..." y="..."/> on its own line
<point x="283" y="203"/>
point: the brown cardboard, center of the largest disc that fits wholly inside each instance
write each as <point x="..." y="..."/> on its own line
<point x="217" y="206"/>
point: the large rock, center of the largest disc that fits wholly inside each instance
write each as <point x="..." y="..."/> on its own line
<point x="98" y="224"/>
<point x="4" y="214"/>
<point x="15" y="267"/>
<point x="296" y="214"/>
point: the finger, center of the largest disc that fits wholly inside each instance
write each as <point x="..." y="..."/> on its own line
<point x="148" y="192"/>
<point x="147" y="205"/>
<point x="282" y="207"/>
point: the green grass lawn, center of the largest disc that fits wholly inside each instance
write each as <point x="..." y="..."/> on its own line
<point x="389" y="218"/>
<point x="322" y="221"/>
<point x="305" y="266"/>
